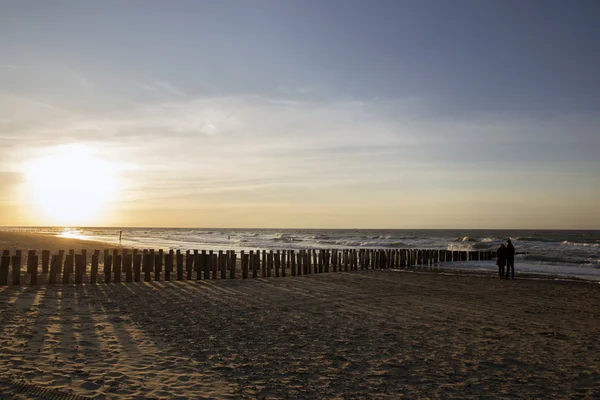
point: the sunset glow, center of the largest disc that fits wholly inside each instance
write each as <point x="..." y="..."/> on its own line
<point x="71" y="186"/>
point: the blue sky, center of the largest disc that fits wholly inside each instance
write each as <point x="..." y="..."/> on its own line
<point x="310" y="113"/>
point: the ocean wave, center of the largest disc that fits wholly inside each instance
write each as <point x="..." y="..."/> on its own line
<point x="580" y="244"/>
<point x="536" y="239"/>
<point x="557" y="259"/>
<point x="469" y="246"/>
<point x="465" y="239"/>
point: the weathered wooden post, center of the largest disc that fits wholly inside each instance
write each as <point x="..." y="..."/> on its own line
<point x="94" y="270"/>
<point x="300" y="263"/>
<point x="16" y="268"/>
<point x="292" y="258"/>
<point x="34" y="268"/>
<point x="127" y="267"/>
<point x="201" y="261"/>
<point x="79" y="268"/>
<point x="232" y="264"/>
<point x="305" y="260"/>
<point x="223" y="264"/>
<point x="214" y="264"/>
<point x="269" y="263"/>
<point x="136" y="260"/>
<point x="179" y="257"/>
<point x="264" y="264"/>
<point x="4" y="266"/>
<point x="253" y="264"/>
<point x="283" y="262"/>
<point x="107" y="268"/>
<point x="117" y="267"/>
<point x="319" y="263"/>
<point x="158" y="261"/>
<point x="168" y="265"/>
<point x="45" y="261"/>
<point x="244" y="259"/>
<point x="53" y="270"/>
<point x="207" y="261"/>
<point x="197" y="264"/>
<point x="189" y="265"/>
<point x="66" y="278"/>
<point x="277" y="260"/>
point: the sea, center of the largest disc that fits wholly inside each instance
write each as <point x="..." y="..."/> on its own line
<point x="572" y="253"/>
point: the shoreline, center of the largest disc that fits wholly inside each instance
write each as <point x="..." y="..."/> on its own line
<point x="38" y="241"/>
<point x="17" y="240"/>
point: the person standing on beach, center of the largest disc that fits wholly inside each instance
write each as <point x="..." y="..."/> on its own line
<point x="501" y="259"/>
<point x="510" y="260"/>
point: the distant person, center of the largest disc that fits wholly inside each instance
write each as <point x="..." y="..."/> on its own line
<point x="501" y="259"/>
<point x="510" y="260"/>
<point x="120" y="236"/>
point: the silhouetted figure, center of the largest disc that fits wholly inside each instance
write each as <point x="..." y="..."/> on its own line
<point x="120" y="236"/>
<point x="510" y="260"/>
<point x="501" y="259"/>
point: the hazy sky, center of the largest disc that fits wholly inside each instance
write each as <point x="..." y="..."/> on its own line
<point x="381" y="114"/>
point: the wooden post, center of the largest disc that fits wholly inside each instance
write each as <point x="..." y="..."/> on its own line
<point x="283" y="262"/>
<point x="298" y="259"/>
<point x="53" y="270"/>
<point x="158" y="258"/>
<point x="67" y="269"/>
<point x="244" y="259"/>
<point x="319" y="260"/>
<point x="277" y="260"/>
<point x="214" y="265"/>
<point x="189" y="264"/>
<point x="264" y="264"/>
<point x="78" y="269"/>
<point x="232" y="264"/>
<point x="137" y="267"/>
<point x="45" y="261"/>
<point x="127" y="266"/>
<point x="269" y="263"/>
<point x="223" y="264"/>
<point x="346" y="260"/>
<point x="107" y="268"/>
<point x="207" y="261"/>
<point x="117" y="267"/>
<point x="253" y="264"/>
<point x="305" y="262"/>
<point x="179" y="266"/>
<point x="34" y="268"/>
<point x="200" y="261"/>
<point x="292" y="258"/>
<point x="168" y="265"/>
<point x="4" y="266"/>
<point x="197" y="265"/>
<point x="94" y="270"/>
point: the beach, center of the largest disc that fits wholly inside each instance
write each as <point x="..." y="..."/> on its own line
<point x="363" y="334"/>
<point x="14" y="240"/>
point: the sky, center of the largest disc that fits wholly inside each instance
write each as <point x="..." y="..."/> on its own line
<point x="300" y="114"/>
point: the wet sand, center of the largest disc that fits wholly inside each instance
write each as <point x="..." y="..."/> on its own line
<point x="365" y="334"/>
<point x="31" y="241"/>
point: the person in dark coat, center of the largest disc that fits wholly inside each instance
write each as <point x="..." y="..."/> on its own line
<point x="510" y="260"/>
<point x="501" y="259"/>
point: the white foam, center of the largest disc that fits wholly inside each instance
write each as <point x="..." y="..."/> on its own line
<point x="567" y="271"/>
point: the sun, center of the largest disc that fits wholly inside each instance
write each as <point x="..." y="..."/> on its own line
<point x="70" y="185"/>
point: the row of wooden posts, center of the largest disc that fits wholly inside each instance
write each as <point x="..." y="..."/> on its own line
<point x="176" y="265"/>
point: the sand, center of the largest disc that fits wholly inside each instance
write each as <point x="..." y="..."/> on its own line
<point x="24" y="241"/>
<point x="365" y="334"/>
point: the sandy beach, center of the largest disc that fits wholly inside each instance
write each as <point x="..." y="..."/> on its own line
<point x="12" y="240"/>
<point x="365" y="334"/>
